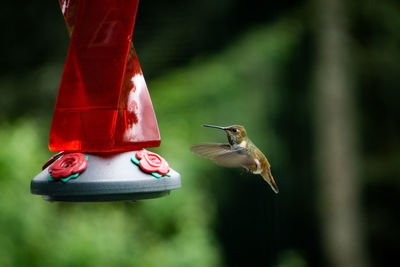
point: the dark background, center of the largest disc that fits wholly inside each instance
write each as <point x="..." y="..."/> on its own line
<point x="256" y="63"/>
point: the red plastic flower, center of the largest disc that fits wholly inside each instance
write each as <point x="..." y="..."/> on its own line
<point x="52" y="159"/>
<point x="151" y="162"/>
<point x="68" y="165"/>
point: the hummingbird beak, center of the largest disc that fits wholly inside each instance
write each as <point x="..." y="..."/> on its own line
<point x="218" y="127"/>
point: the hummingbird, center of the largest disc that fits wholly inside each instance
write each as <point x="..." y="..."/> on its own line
<point x="240" y="152"/>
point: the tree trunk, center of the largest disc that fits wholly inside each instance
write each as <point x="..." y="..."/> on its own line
<point x="336" y="138"/>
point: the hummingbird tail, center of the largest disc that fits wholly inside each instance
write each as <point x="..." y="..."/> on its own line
<point x="267" y="175"/>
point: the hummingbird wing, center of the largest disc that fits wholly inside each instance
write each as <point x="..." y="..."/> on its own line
<point x="224" y="155"/>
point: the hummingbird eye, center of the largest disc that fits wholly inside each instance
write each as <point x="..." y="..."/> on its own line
<point x="234" y="130"/>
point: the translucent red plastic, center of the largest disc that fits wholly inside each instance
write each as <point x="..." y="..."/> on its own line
<point x="103" y="104"/>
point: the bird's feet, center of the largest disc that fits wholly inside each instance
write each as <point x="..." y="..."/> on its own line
<point x="245" y="171"/>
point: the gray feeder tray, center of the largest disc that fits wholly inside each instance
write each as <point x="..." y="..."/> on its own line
<point x="108" y="177"/>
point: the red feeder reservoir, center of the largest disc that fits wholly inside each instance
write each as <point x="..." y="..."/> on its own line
<point x="103" y="117"/>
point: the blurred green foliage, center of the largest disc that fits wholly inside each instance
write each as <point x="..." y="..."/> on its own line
<point x="172" y="231"/>
<point x="34" y="232"/>
<point x="226" y="63"/>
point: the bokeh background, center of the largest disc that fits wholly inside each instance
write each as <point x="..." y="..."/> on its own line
<point x="316" y="83"/>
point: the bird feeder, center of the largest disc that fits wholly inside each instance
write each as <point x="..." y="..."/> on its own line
<point x="103" y="119"/>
